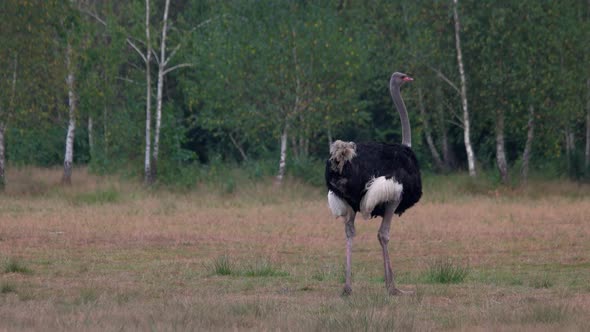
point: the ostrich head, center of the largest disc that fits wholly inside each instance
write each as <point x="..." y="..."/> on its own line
<point x="399" y="79"/>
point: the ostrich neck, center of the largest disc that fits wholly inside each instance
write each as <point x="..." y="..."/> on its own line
<point x="403" y="115"/>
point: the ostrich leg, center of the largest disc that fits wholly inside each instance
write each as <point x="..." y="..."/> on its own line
<point x="350" y="232"/>
<point x="383" y="237"/>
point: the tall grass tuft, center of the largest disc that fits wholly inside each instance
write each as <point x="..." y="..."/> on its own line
<point x="446" y="271"/>
<point x="264" y="268"/>
<point x="542" y="281"/>
<point x="13" y="265"/>
<point x="6" y="288"/>
<point x="222" y="266"/>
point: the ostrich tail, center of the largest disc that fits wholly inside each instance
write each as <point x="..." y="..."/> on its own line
<point x="340" y="153"/>
<point x="380" y="190"/>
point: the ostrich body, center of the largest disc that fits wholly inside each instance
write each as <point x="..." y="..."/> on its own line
<point x="375" y="179"/>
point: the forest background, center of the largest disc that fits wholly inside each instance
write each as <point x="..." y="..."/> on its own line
<point x="176" y="93"/>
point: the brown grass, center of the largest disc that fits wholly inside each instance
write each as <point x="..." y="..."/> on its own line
<point x="107" y="255"/>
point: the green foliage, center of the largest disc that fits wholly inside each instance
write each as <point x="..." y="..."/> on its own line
<point x="309" y="170"/>
<point x="35" y="146"/>
<point x="446" y="271"/>
<point x="320" y="68"/>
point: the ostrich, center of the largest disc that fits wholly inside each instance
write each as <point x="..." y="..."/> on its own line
<point x="375" y="179"/>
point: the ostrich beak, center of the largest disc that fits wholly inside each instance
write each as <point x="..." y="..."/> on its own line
<point x="408" y="79"/>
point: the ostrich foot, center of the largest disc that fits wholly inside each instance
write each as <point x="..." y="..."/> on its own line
<point x="393" y="291"/>
<point x="346" y="291"/>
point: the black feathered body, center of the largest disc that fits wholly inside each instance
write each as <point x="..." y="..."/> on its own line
<point x="373" y="160"/>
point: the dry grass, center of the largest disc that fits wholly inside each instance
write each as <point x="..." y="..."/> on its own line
<point x="104" y="255"/>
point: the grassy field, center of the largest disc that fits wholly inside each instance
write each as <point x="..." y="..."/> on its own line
<point x="106" y="255"/>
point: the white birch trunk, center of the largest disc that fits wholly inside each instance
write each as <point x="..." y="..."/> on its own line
<point x="159" y="91"/>
<point x="466" y="125"/>
<point x="283" y="160"/>
<point x="2" y="157"/>
<point x="148" y="105"/>
<point x="500" y="147"/>
<point x="70" y="82"/>
<point x="526" y="155"/>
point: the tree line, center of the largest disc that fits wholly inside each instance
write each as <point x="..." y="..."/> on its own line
<point x="156" y="87"/>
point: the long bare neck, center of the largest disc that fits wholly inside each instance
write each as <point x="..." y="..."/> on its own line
<point x="403" y="115"/>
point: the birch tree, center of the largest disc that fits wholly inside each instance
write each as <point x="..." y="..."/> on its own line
<point x="72" y="113"/>
<point x="163" y="69"/>
<point x="152" y="148"/>
<point x="463" y="93"/>
<point x="147" y="58"/>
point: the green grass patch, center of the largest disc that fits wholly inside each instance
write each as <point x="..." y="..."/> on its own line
<point x="222" y="266"/>
<point x="446" y="271"/>
<point x="264" y="268"/>
<point x="98" y="197"/>
<point x="14" y="265"/>
<point x="497" y="277"/>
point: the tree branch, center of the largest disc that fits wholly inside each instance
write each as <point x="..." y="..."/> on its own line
<point x="125" y="79"/>
<point x="242" y="153"/>
<point x="156" y="56"/>
<point x="444" y="78"/>
<point x="456" y="116"/>
<point x="178" y="66"/>
<point x="171" y="54"/>
<point x="94" y="15"/>
<point x="137" y="49"/>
